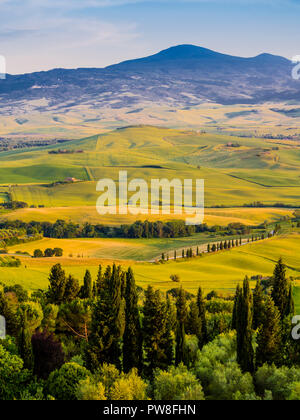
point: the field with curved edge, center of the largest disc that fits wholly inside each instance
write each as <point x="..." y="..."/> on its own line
<point x="222" y="217"/>
<point x="220" y="271"/>
<point x="122" y="249"/>
<point x="236" y="170"/>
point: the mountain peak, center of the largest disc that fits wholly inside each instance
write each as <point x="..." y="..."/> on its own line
<point x="186" y="51"/>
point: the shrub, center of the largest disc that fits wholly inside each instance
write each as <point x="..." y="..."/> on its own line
<point x="62" y="384"/>
<point x="176" y="384"/>
<point x="88" y="390"/>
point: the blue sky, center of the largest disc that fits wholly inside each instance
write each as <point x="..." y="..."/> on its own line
<point x="42" y="34"/>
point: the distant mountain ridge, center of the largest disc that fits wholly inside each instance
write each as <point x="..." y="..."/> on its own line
<point x="181" y="76"/>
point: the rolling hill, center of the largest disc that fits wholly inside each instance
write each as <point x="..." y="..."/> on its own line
<point x="221" y="271"/>
<point x="236" y="171"/>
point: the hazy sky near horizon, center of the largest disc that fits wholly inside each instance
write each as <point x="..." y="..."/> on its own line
<point x="43" y="34"/>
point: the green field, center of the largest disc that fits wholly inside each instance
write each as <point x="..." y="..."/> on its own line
<point x="119" y="248"/>
<point x="220" y="271"/>
<point x="257" y="170"/>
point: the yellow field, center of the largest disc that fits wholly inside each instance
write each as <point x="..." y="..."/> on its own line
<point x="89" y="248"/>
<point x="222" y="217"/>
<point x="220" y="271"/>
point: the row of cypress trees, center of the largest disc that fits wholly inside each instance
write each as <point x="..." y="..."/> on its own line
<point x="220" y="246"/>
<point x="267" y="314"/>
<point x="129" y="337"/>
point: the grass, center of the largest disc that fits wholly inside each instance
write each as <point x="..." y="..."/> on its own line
<point x="222" y="217"/>
<point x="123" y="249"/>
<point x="259" y="170"/>
<point x="221" y="271"/>
<point x="255" y="171"/>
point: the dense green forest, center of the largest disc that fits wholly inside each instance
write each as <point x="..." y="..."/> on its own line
<point x="108" y="339"/>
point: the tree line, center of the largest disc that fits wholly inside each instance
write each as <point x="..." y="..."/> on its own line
<point x="214" y="247"/>
<point x="109" y="339"/>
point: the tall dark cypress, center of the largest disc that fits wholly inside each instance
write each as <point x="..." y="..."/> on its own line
<point x="258" y="305"/>
<point x="154" y="332"/>
<point x="290" y="306"/>
<point x="57" y="280"/>
<point x="87" y="288"/>
<point x="72" y="289"/>
<point x="269" y="335"/>
<point x="108" y="323"/>
<point x="235" y="307"/>
<point x="132" y="340"/>
<point x="193" y="324"/>
<point x="202" y="315"/>
<point x="280" y="291"/>
<point x="99" y="281"/>
<point x="245" y="353"/>
<point x="170" y="316"/>
<point x="180" y="354"/>
<point x="24" y="342"/>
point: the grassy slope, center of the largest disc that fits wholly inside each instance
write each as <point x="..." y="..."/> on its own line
<point x="232" y="176"/>
<point x="248" y="216"/>
<point x="221" y="271"/>
<point x="124" y="249"/>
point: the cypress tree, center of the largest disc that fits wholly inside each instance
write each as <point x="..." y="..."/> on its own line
<point x="269" y="335"/>
<point x="94" y="289"/>
<point x="202" y="315"/>
<point x="72" y="289"/>
<point x="167" y="338"/>
<point x="235" y="307"/>
<point x="193" y="324"/>
<point x="154" y="331"/>
<point x="245" y="354"/>
<point x="290" y="307"/>
<point x="132" y="340"/>
<point x="99" y="281"/>
<point x="24" y="342"/>
<point x="108" y="323"/>
<point x="180" y="356"/>
<point x="87" y="288"/>
<point x="123" y="284"/>
<point x="57" y="280"/>
<point x="258" y="305"/>
<point x="280" y="291"/>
